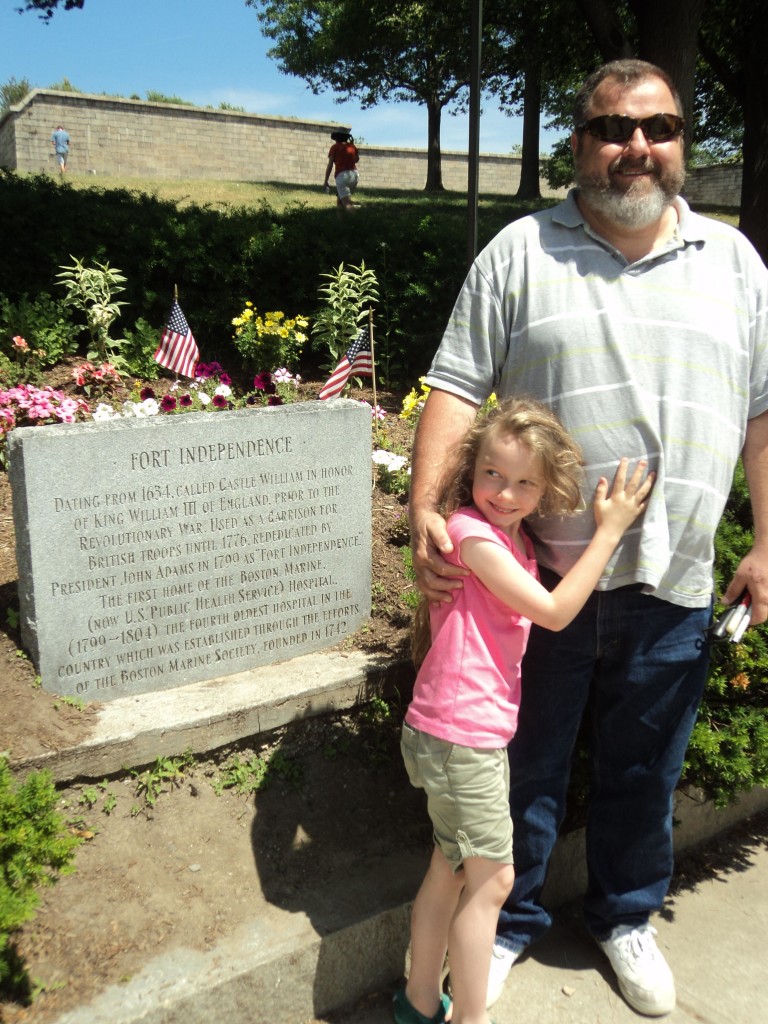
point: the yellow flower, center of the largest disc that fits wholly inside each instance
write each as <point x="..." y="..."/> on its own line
<point x="413" y="403"/>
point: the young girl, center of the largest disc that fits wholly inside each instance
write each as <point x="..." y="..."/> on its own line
<point x="513" y="461"/>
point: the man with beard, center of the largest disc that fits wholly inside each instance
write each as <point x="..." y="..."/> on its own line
<point x="645" y="328"/>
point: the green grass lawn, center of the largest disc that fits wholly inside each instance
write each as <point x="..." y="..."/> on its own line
<point x="277" y="195"/>
<point x="215" y="194"/>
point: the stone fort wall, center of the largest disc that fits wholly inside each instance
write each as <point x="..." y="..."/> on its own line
<point x="139" y="138"/>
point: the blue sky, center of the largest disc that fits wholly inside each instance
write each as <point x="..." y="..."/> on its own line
<point x="206" y="52"/>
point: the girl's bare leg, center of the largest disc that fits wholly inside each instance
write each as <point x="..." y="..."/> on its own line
<point x="433" y="910"/>
<point x="471" y="935"/>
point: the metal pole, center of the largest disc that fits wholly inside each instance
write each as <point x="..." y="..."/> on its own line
<point x="473" y="162"/>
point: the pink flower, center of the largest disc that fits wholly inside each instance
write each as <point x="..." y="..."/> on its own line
<point x="220" y="402"/>
<point x="20" y="343"/>
<point x="39" y="409"/>
<point x="168" y="403"/>
<point x="376" y="411"/>
<point x="68" y="409"/>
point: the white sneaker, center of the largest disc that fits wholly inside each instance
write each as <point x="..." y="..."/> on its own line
<point x="644" y="977"/>
<point x="501" y="965"/>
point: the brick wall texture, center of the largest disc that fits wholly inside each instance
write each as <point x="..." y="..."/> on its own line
<point x="137" y="138"/>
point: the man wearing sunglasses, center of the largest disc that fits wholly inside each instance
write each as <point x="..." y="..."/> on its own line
<point x="645" y="327"/>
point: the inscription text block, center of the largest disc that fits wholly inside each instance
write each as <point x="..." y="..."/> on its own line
<point x="158" y="552"/>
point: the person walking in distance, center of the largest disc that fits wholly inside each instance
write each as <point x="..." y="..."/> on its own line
<point x="342" y="160"/>
<point x="60" y="143"/>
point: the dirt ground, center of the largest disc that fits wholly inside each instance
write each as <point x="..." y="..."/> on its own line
<point x="189" y="868"/>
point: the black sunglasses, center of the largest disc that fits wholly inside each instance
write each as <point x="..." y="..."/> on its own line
<point x="618" y="128"/>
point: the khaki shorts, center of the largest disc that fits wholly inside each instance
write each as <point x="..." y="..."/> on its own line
<point x="467" y="796"/>
<point x="346" y="183"/>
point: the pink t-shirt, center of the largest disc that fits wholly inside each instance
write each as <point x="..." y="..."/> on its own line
<point x="468" y="687"/>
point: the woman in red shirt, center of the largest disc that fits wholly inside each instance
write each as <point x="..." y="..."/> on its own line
<point x="343" y="156"/>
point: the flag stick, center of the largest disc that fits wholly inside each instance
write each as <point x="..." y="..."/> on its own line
<point x="373" y="360"/>
<point x="373" y="382"/>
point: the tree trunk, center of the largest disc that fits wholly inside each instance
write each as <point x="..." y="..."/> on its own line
<point x="606" y="28"/>
<point x="529" y="171"/>
<point x="434" y="159"/>
<point x="753" y="215"/>
<point x="668" y="34"/>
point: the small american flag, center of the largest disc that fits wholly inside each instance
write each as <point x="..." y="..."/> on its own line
<point x="357" y="359"/>
<point x="178" y="350"/>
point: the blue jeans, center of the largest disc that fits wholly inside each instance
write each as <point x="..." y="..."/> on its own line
<point x="635" y="668"/>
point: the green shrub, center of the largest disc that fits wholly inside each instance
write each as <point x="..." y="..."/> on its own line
<point x="558" y="168"/>
<point x="35" y="849"/>
<point x="728" y="752"/>
<point x="153" y="96"/>
<point x="414" y="244"/>
<point x="12" y="92"/>
<point x="139" y="349"/>
<point x="44" y="322"/>
<point x="11" y="373"/>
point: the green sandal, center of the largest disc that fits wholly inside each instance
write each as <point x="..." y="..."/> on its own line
<point x="405" y="1013"/>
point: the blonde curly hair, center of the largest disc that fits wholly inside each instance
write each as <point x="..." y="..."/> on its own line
<point x="534" y="425"/>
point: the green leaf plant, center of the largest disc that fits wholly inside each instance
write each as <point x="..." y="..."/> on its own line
<point x="91" y="290"/>
<point x="348" y="295"/>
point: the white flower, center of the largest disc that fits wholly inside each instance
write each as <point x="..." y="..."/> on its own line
<point x="148" y="407"/>
<point x="104" y="411"/>
<point x="204" y="399"/>
<point x="223" y="389"/>
<point x="389" y="460"/>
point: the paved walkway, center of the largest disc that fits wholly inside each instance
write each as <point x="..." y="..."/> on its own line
<point x="713" y="930"/>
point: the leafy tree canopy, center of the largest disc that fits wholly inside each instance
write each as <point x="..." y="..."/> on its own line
<point x="384" y="49"/>
<point x="46" y="8"/>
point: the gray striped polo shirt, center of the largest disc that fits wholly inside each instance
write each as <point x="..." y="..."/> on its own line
<point x="665" y="359"/>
